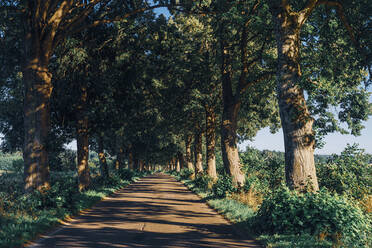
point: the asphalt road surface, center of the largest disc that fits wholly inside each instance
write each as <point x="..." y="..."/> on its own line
<point x="156" y="211"/>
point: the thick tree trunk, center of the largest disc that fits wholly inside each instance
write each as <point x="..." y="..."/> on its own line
<point x="211" y="141"/>
<point x="295" y="117"/>
<point x="231" y="107"/>
<point x="136" y="163"/>
<point x="119" y="163"/>
<point x="102" y="157"/>
<point x="181" y="159"/>
<point x="198" y="152"/>
<point x="130" y="159"/>
<point x="230" y="152"/>
<point x="178" y="165"/>
<point x="189" y="163"/>
<point x="82" y="139"/>
<point x="38" y="89"/>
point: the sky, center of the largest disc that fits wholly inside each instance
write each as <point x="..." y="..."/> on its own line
<point x="335" y="142"/>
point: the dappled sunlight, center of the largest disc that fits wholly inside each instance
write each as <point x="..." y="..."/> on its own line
<point x="156" y="211"/>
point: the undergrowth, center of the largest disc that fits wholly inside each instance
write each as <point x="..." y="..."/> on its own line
<point x="336" y="216"/>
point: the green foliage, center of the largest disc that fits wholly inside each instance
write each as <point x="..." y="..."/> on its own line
<point x="203" y="181"/>
<point x="63" y="160"/>
<point x="8" y="161"/>
<point x="185" y="173"/>
<point x="348" y="173"/>
<point x="223" y="186"/>
<point x="321" y="214"/>
<point x="264" y="169"/>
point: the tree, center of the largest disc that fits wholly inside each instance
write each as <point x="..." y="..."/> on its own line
<point x="297" y="121"/>
<point x="46" y="24"/>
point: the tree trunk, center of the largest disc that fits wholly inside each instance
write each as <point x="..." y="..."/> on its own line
<point x="130" y="159"/>
<point x="136" y="161"/>
<point x="188" y="142"/>
<point x="181" y="159"/>
<point x="211" y="141"/>
<point x="295" y="117"/>
<point x="119" y="162"/>
<point x="231" y="107"/>
<point x="38" y="88"/>
<point x="102" y="157"/>
<point x="198" y="152"/>
<point x="82" y="141"/>
<point x="178" y="164"/>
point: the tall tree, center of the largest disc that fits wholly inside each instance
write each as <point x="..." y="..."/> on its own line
<point x="296" y="119"/>
<point x="46" y="24"/>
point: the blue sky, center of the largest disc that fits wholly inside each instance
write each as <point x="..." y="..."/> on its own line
<point x="335" y="142"/>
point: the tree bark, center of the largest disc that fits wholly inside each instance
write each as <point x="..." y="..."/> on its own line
<point x="102" y="157"/>
<point x="198" y="152"/>
<point x="119" y="163"/>
<point x="181" y="159"/>
<point x="211" y="141"/>
<point x="130" y="159"/>
<point x="231" y="107"/>
<point x="178" y="164"/>
<point x="189" y="163"/>
<point x="82" y="140"/>
<point x="38" y="89"/>
<point x="294" y="114"/>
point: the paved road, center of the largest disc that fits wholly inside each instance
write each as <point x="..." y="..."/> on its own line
<point x="156" y="211"/>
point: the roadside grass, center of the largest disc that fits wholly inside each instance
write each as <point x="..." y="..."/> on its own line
<point x="24" y="216"/>
<point x="241" y="216"/>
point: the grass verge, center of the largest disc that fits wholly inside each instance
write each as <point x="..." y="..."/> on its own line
<point x="241" y="216"/>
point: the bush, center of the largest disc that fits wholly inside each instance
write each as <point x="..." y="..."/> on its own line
<point x="203" y="182"/>
<point x="185" y="173"/>
<point x="126" y="174"/>
<point x="223" y="186"/>
<point x="321" y="214"/>
<point x="265" y="168"/>
<point x="8" y="161"/>
<point x="348" y="173"/>
<point x="18" y="165"/>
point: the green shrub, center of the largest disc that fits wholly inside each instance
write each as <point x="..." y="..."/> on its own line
<point x="203" y="182"/>
<point x="321" y="214"/>
<point x="126" y="174"/>
<point x="223" y="186"/>
<point x="185" y="173"/>
<point x="264" y="168"/>
<point x="18" y="165"/>
<point x="348" y="173"/>
<point x="6" y="161"/>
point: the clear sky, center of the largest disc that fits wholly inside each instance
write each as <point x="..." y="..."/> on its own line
<point x="335" y="143"/>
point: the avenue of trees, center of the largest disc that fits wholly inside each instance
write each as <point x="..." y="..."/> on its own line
<point x="151" y="90"/>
